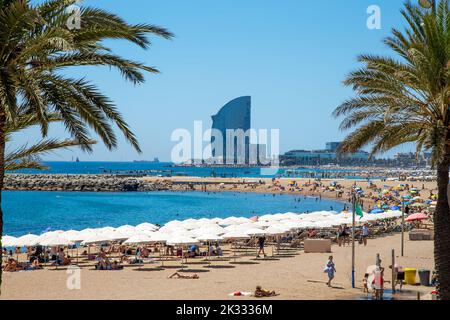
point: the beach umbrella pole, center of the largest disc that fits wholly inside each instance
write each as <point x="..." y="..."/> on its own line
<point x="353" y="238"/>
<point x="161" y="257"/>
<point x="182" y="258"/>
<point x="403" y="228"/>
<point x="209" y="254"/>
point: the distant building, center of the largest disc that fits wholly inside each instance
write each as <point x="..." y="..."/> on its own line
<point x="327" y="156"/>
<point x="410" y="159"/>
<point x="233" y="121"/>
<point x="332" y="146"/>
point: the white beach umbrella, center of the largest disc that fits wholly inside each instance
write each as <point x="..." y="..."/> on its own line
<point x="208" y="230"/>
<point x="179" y="232"/>
<point x="103" y="229"/>
<point x="262" y="224"/>
<point x="159" y="236"/>
<point x="172" y="223"/>
<point x="146" y="226"/>
<point x="266" y="217"/>
<point x="232" y="220"/>
<point x="209" y="237"/>
<point x="275" y="230"/>
<point x="232" y="227"/>
<point x="236" y="234"/>
<point x="215" y="228"/>
<point x="116" y="235"/>
<point x="324" y="224"/>
<point x="73" y="235"/>
<point x="82" y="235"/>
<point x="216" y="220"/>
<point x="54" y="240"/>
<point x="126" y="229"/>
<point x="290" y="215"/>
<point x="181" y="240"/>
<point x="296" y="225"/>
<point x="9" y="241"/>
<point x="138" y="239"/>
<point x="28" y="240"/>
<point x="281" y="226"/>
<point x="96" y="238"/>
<point x="255" y="232"/>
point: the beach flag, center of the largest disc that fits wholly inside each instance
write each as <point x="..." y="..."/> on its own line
<point x="358" y="211"/>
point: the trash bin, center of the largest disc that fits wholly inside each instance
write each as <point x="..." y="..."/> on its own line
<point x="424" y="276"/>
<point x="410" y="276"/>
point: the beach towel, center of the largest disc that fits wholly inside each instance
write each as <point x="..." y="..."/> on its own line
<point x="240" y="293"/>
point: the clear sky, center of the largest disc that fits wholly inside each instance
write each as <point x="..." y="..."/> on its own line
<point x="289" y="55"/>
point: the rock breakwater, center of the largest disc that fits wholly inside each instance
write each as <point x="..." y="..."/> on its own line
<point x="81" y="182"/>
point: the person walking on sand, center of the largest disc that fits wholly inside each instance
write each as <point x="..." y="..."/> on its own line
<point x="330" y="270"/>
<point x="261" y="241"/>
<point x="365" y="233"/>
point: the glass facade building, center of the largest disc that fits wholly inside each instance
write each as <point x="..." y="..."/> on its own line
<point x="232" y="122"/>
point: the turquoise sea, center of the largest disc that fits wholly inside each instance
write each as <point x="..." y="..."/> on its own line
<point x="38" y="211"/>
<point x="167" y="169"/>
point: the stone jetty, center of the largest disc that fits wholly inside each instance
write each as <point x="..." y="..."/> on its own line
<point x="81" y="182"/>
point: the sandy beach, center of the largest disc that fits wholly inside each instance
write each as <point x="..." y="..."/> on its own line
<point x="265" y="185"/>
<point x="294" y="275"/>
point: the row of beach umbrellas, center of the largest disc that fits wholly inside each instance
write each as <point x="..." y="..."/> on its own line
<point x="193" y="231"/>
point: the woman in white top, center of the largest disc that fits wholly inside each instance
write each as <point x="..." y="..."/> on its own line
<point x="365" y="233"/>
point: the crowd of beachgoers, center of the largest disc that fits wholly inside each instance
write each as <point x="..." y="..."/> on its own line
<point x="385" y="205"/>
<point x="191" y="237"/>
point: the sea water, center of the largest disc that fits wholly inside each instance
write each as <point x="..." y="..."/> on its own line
<point x="167" y="169"/>
<point x="39" y="211"/>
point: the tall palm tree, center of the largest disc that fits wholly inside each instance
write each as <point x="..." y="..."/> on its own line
<point x="26" y="156"/>
<point x="37" y="44"/>
<point x="405" y="98"/>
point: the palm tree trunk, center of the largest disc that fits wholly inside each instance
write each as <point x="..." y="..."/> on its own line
<point x="2" y="175"/>
<point x="442" y="229"/>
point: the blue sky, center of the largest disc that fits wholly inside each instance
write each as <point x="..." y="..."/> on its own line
<point x="289" y="55"/>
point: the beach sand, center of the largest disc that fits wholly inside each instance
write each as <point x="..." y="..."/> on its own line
<point x="252" y="185"/>
<point x="297" y="275"/>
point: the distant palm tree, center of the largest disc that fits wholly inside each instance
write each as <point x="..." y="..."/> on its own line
<point x="407" y="100"/>
<point x="28" y="157"/>
<point x="37" y="44"/>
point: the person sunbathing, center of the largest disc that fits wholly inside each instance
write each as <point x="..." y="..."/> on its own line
<point x="12" y="266"/>
<point x="260" y="292"/>
<point x="182" y="276"/>
<point x="67" y="261"/>
<point x="116" y="266"/>
<point x="124" y="258"/>
<point x="35" y="265"/>
<point x="145" y="252"/>
<point x="104" y="264"/>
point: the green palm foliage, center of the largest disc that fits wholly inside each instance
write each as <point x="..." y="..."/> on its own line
<point x="37" y="44"/>
<point x="405" y="98"/>
<point x="28" y="157"/>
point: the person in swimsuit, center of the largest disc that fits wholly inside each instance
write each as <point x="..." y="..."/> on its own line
<point x="182" y="276"/>
<point x="260" y="292"/>
<point x="330" y="270"/>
